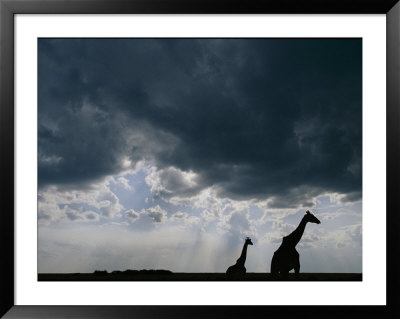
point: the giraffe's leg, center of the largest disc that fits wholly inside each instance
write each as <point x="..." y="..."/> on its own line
<point x="275" y="267"/>
<point x="297" y="266"/>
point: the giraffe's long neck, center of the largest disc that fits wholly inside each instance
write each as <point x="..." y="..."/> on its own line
<point x="242" y="257"/>
<point x="294" y="238"/>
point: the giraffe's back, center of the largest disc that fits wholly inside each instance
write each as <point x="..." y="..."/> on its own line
<point x="236" y="271"/>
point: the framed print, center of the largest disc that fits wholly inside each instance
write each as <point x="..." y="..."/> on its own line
<point x="176" y="159"/>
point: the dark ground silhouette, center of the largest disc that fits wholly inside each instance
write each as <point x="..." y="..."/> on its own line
<point x="140" y="276"/>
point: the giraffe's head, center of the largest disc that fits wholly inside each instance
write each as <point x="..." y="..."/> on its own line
<point x="311" y="218"/>
<point x="248" y="241"/>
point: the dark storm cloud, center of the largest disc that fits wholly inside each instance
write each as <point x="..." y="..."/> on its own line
<point x="257" y="118"/>
<point x="351" y="197"/>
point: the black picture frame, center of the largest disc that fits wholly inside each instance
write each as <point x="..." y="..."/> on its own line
<point x="9" y="8"/>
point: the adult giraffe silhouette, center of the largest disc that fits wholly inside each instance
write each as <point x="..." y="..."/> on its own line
<point x="238" y="270"/>
<point x="286" y="256"/>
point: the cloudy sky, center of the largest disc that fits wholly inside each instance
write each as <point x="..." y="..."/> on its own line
<point x="167" y="153"/>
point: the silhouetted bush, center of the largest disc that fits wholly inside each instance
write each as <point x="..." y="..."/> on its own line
<point x="143" y="272"/>
<point x="116" y="272"/>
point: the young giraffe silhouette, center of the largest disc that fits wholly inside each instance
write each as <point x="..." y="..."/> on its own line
<point x="286" y="256"/>
<point x="238" y="270"/>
